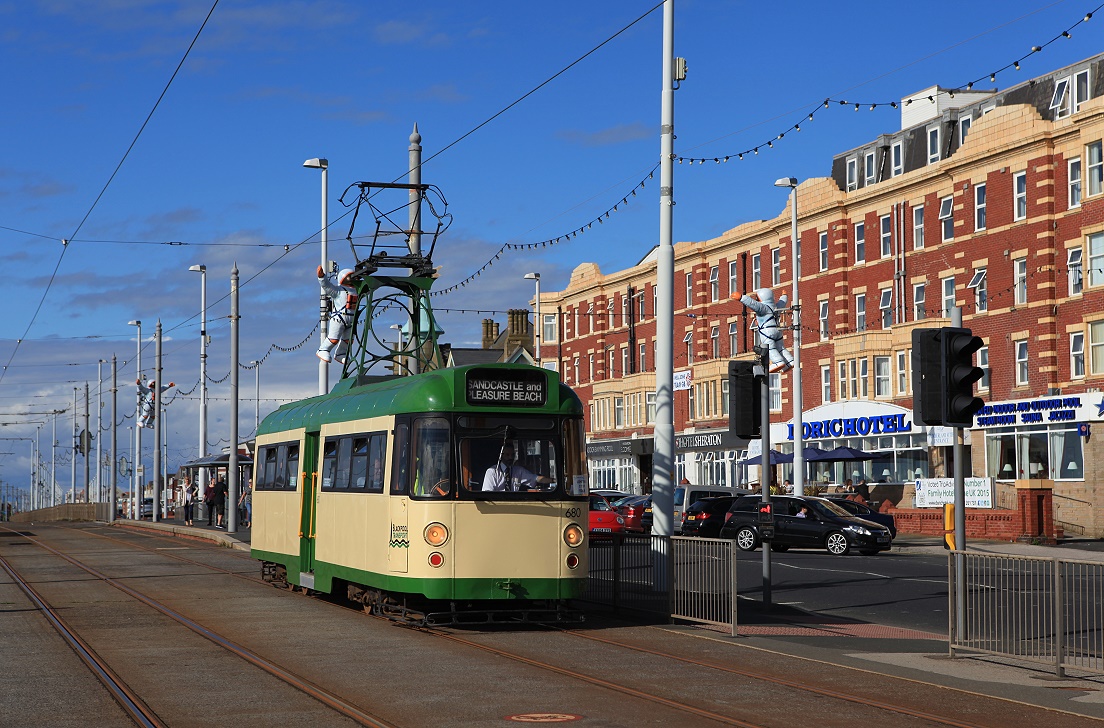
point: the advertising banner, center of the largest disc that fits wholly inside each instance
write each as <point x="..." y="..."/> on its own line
<point x="934" y="492"/>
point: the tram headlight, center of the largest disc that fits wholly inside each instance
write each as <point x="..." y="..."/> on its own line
<point x="573" y="535"/>
<point x="436" y="534"/>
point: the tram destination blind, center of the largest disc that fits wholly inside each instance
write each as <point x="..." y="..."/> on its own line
<point x="512" y="388"/>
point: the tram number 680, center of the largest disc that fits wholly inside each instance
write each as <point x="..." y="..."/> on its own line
<point x="573" y="513"/>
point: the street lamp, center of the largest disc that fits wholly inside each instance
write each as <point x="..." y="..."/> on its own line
<point x="795" y="307"/>
<point x="256" y="398"/>
<point x="323" y="301"/>
<point x="202" y="270"/>
<point x="535" y="277"/>
<point x="136" y="480"/>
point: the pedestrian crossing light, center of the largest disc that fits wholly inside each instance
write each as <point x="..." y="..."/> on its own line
<point x="959" y="375"/>
<point x="745" y="400"/>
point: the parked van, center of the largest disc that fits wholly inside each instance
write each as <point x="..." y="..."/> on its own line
<point x="688" y="495"/>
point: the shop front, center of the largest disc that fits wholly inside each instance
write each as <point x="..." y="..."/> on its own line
<point x="1040" y="438"/>
<point x="710" y="458"/>
<point x="624" y="464"/>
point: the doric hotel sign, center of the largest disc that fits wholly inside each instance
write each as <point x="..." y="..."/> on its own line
<point x="506" y="387"/>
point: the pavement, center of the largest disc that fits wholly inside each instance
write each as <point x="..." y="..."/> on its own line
<point x="239" y="539"/>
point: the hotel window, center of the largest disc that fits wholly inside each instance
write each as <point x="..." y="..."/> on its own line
<point x="979" y="207"/>
<point x="948" y="296"/>
<point x="609" y="313"/>
<point x="655" y="300"/>
<point x="881" y="376"/>
<point x="825" y="384"/>
<point x="689" y="290"/>
<point x="885" y="304"/>
<point x="626" y="314"/>
<point x="1060" y="101"/>
<point x="1020" y="279"/>
<point x="1019" y="194"/>
<point x="618" y="412"/>
<point x="1096" y="347"/>
<point x="609" y="364"/>
<point x="714" y="284"/>
<point x="824" y="251"/>
<point x="902" y="372"/>
<point x="886" y="236"/>
<point x="549" y="332"/>
<point x="852" y="174"/>
<point x="724" y="397"/>
<point x="756" y="277"/>
<point x="852" y="367"/>
<point x="575" y="371"/>
<point x="946" y="217"/>
<point x="898" y="158"/>
<point x="689" y="341"/>
<point x="715" y="341"/>
<point x="843" y="380"/>
<point x="733" y="338"/>
<point x="651" y="399"/>
<point x="1077" y="354"/>
<point x="589" y="318"/>
<point x="981" y="290"/>
<point x="964" y="125"/>
<point x="1075" y="182"/>
<point x="860" y="242"/>
<point x="1095" y="170"/>
<point x="860" y="312"/>
<point x="1073" y="268"/>
<point x="868" y="168"/>
<point x="590" y="362"/>
<point x="918" y="303"/>
<point x="918" y="227"/>
<point x="983" y="365"/>
<point x="864" y="376"/>
<point x="732" y="278"/>
<point x="933" y="145"/>
<point x="642" y="352"/>
<point x="1096" y="259"/>
<point x="776" y="266"/>
<point x="824" y="321"/>
<point x="640" y="305"/>
<point x="624" y="361"/>
<point x="1080" y="90"/>
<point x="775" y="392"/>
<point x="1021" y="362"/>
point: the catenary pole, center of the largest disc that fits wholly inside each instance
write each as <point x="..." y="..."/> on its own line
<point x="112" y="470"/>
<point x="157" y="484"/>
<point x="231" y="518"/>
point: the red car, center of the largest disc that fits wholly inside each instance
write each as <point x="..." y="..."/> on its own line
<point x="603" y="519"/>
<point x="631" y="508"/>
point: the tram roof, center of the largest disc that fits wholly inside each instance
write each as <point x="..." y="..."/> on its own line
<point x="441" y="390"/>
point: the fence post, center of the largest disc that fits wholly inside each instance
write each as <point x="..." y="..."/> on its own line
<point x="618" y="541"/>
<point x="732" y="582"/>
<point x="1059" y="620"/>
<point x="671" y="577"/>
<point x="951" y="616"/>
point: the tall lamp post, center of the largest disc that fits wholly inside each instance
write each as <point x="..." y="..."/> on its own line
<point x="323" y="301"/>
<point x="202" y="270"/>
<point x="136" y="480"/>
<point x="795" y="307"/>
<point x="535" y="277"/>
<point x="256" y="397"/>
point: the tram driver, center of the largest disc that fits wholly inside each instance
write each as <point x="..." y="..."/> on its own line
<point x="505" y="476"/>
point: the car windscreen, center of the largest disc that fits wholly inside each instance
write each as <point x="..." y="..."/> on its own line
<point x="828" y="507"/>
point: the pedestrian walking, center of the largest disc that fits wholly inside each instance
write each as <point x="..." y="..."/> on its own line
<point x="189" y="501"/>
<point x="245" y="504"/>
<point x="222" y="490"/>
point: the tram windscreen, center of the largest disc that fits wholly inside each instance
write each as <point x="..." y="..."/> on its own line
<point x="510" y="462"/>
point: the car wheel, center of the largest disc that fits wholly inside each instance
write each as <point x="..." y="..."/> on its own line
<point x="746" y="540"/>
<point x="779" y="547"/>
<point x="868" y="552"/>
<point x="837" y="544"/>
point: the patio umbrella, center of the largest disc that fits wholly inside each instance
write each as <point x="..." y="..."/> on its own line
<point x="775" y="458"/>
<point x="814" y="454"/>
<point x="846" y="453"/>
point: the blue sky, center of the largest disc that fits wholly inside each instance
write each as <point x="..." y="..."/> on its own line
<point x="269" y="84"/>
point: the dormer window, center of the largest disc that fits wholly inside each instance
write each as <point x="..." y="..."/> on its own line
<point x="1060" y="101"/>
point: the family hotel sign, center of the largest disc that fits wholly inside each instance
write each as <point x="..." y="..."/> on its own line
<point x="1036" y="412"/>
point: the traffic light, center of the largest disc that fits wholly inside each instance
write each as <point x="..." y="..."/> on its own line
<point x="927" y="376"/>
<point x="959" y="375"/>
<point x="745" y="399"/>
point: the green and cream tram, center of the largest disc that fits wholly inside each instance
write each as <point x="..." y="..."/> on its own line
<point x="389" y="490"/>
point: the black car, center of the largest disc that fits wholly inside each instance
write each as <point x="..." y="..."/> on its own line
<point x="705" y="517"/>
<point x="804" y="522"/>
<point x="865" y="512"/>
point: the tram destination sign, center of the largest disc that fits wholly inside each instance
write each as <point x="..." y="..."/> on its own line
<point x="509" y="387"/>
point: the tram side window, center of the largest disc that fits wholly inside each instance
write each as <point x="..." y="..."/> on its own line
<point x="329" y="464"/>
<point x="359" y="473"/>
<point x="268" y="479"/>
<point x="292" y="465"/>
<point x="280" y="482"/>
<point x="575" y="461"/>
<point x="376" y="453"/>
<point x="432" y="476"/>
<point x="400" y="471"/>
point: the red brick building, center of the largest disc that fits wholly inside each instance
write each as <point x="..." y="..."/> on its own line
<point x="988" y="200"/>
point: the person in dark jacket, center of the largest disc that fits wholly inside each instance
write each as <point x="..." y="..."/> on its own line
<point x="222" y="490"/>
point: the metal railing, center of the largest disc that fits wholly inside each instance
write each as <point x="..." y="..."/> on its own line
<point x="1045" y="610"/>
<point x="630" y="571"/>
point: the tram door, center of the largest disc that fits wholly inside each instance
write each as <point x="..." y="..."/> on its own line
<point x="398" y="545"/>
<point x="308" y="502"/>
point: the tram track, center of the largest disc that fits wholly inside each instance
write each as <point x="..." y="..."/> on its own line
<point x="776" y="681"/>
<point x="127" y="698"/>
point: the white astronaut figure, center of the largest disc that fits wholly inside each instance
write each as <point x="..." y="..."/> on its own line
<point x="147" y="398"/>
<point x="762" y="304"/>
<point x="344" y="301"/>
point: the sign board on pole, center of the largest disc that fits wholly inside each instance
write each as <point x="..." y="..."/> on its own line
<point x="683" y="380"/>
<point x="934" y="492"/>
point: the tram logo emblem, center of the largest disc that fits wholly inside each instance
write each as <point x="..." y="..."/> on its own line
<point x="399" y="539"/>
